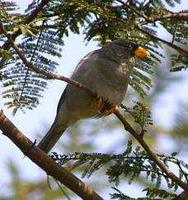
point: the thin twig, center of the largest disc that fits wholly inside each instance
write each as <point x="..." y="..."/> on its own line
<point x="175" y="15"/>
<point x="29" y="18"/>
<point x="154" y="37"/>
<point x="45" y="162"/>
<point x="31" y="60"/>
<point x="47" y="74"/>
<point x="151" y="154"/>
<point x="169" y="15"/>
<point x="139" y="13"/>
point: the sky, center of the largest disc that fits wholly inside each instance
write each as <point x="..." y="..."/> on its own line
<point x="30" y="123"/>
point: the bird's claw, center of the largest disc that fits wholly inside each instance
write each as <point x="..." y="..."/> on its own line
<point x="104" y="106"/>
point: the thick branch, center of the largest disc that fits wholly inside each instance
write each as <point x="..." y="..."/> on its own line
<point x="183" y="196"/>
<point x="44" y="162"/>
<point x="152" y="155"/>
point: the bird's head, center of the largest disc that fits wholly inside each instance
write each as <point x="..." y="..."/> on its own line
<point x="131" y="48"/>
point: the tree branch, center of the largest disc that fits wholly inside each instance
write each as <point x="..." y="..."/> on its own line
<point x="28" y="19"/>
<point x="151" y="154"/>
<point x="154" y="37"/>
<point x="47" y="74"/>
<point x="44" y="162"/>
<point x="141" y="14"/>
<point x="178" y="15"/>
<point x="170" y="15"/>
<point x="183" y="196"/>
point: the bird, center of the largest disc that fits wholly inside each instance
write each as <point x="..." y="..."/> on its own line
<point x="104" y="71"/>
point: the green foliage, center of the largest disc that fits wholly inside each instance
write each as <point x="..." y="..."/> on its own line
<point x="156" y="193"/>
<point x="8" y="19"/>
<point x="23" y="86"/>
<point x="153" y="194"/>
<point x="7" y="6"/>
<point x="119" y="195"/>
<point x="140" y="81"/>
<point x="131" y="164"/>
<point x="179" y="62"/>
<point x="140" y="114"/>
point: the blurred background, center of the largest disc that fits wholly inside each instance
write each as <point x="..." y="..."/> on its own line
<point x="168" y="100"/>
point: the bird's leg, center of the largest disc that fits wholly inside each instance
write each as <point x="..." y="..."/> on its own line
<point x="104" y="106"/>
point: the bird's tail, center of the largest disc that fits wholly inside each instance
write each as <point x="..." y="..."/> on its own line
<point x="51" y="138"/>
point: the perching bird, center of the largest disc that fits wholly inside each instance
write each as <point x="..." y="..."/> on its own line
<point x="105" y="71"/>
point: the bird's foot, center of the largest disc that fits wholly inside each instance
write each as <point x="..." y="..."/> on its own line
<point x="105" y="107"/>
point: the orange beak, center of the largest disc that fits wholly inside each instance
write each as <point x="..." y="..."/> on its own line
<point x="140" y="52"/>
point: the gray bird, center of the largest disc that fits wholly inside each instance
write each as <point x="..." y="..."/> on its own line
<point x="104" y="71"/>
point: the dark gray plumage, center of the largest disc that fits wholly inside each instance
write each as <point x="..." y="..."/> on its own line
<point x="104" y="71"/>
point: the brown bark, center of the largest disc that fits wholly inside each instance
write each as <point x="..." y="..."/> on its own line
<point x="45" y="162"/>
